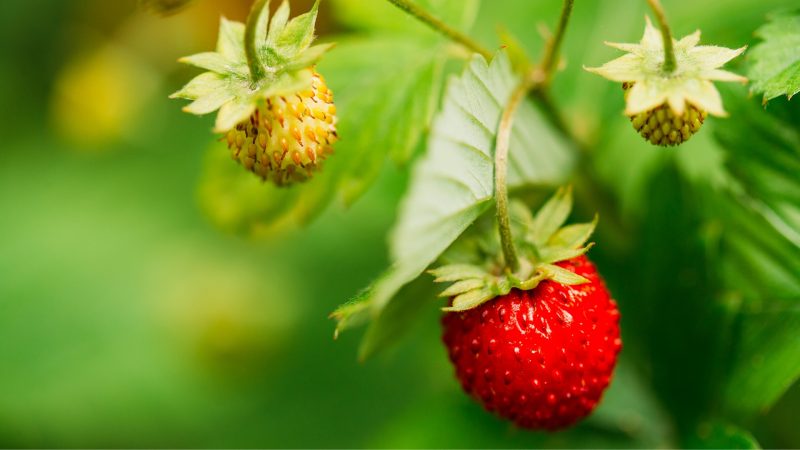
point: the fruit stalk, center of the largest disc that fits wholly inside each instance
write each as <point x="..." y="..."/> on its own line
<point x="550" y="58"/>
<point x="428" y="19"/>
<point x="253" y="61"/>
<point x="666" y="35"/>
<point x="501" y="172"/>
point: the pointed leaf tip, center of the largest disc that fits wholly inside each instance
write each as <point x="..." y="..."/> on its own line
<point x="562" y="275"/>
<point x="552" y="215"/>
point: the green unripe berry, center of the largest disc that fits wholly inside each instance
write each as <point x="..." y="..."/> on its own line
<point x="661" y="126"/>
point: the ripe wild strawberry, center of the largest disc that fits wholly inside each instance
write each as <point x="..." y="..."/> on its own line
<point x="275" y="112"/>
<point x="668" y="107"/>
<point x="286" y="139"/>
<point x="540" y="358"/>
<point x="537" y="346"/>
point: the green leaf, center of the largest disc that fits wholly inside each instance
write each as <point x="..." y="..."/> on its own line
<point x="758" y="253"/>
<point x="384" y="108"/>
<point x="776" y="61"/>
<point x="722" y="435"/>
<point x="452" y="185"/>
<point x="629" y="405"/>
<point x="767" y="352"/>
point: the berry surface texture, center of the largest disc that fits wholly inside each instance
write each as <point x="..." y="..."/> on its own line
<point x="540" y="358"/>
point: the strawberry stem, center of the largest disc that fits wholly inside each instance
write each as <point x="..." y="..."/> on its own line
<point x="433" y="22"/>
<point x="253" y="61"/>
<point x="550" y="58"/>
<point x="669" y="52"/>
<point x="501" y="171"/>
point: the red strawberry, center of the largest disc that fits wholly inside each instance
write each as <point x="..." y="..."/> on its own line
<point x="543" y="357"/>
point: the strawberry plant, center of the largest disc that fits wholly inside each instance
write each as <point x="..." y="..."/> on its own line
<point x="699" y="242"/>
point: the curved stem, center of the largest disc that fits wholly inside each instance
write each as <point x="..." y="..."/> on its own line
<point x="427" y="18"/>
<point x="666" y="35"/>
<point x="550" y="58"/>
<point x="501" y="172"/>
<point x="253" y="61"/>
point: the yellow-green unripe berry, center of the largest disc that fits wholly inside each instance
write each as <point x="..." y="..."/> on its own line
<point x="287" y="137"/>
<point x="661" y="126"/>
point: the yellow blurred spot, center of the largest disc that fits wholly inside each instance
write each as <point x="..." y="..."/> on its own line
<point x="98" y="96"/>
<point x="222" y="313"/>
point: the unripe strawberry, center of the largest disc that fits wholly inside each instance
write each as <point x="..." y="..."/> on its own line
<point x="661" y="126"/>
<point x="667" y="103"/>
<point x="275" y="112"/>
<point x="287" y="137"/>
<point x="541" y="358"/>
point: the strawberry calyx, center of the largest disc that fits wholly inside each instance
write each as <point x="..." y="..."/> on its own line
<point x="278" y="48"/>
<point x="476" y="269"/>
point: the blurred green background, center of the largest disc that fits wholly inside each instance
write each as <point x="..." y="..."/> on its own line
<point x="128" y="320"/>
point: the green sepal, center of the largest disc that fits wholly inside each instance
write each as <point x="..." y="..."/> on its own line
<point x="352" y="314"/>
<point x="551" y="217"/>
<point x="296" y="36"/>
<point x="283" y="48"/>
<point x="456" y="272"/>
<point x="542" y="241"/>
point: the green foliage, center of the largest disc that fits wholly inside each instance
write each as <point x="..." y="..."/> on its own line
<point x="453" y="184"/>
<point x="759" y="253"/>
<point x="384" y="109"/>
<point x="775" y="70"/>
<point x="722" y="435"/>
